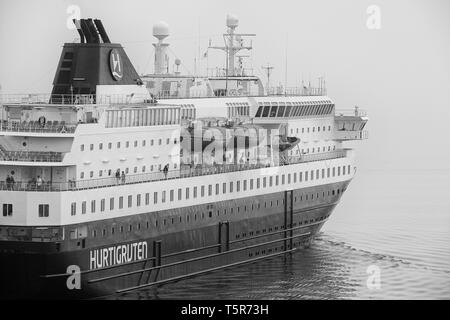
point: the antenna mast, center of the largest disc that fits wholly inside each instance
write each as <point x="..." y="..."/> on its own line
<point x="233" y="44"/>
<point x="268" y="70"/>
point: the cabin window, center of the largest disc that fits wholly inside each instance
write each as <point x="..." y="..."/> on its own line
<point x="209" y="190"/>
<point x="102" y="205"/>
<point x="120" y="202"/>
<point x="91" y="147"/>
<point x="100" y="146"/>
<point x="7" y="209"/>
<point x="138" y="200"/>
<point x="163" y="197"/>
<point x="127" y="144"/>
<point x="195" y="192"/>
<point x="111" y="203"/>
<point x="187" y="193"/>
<point x="109" y="145"/>
<point x="130" y="201"/>
<point x="155" y="197"/>
<point x="83" y="207"/>
<point x="73" y="209"/>
<point x="258" y="113"/>
<point x="82" y="147"/>
<point x="93" y="206"/>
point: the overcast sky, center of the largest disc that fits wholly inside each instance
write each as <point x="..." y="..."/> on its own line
<point x="400" y="73"/>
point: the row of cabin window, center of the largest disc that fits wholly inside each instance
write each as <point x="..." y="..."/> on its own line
<point x="257" y="206"/>
<point x="246" y="184"/>
<point x="312" y="129"/>
<point x="43" y="210"/>
<point x="288" y="110"/>
<point x="127" y="144"/>
<point x="111" y="172"/>
<point x="306" y="151"/>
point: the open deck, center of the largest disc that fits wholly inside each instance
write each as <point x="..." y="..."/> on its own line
<point x="158" y="176"/>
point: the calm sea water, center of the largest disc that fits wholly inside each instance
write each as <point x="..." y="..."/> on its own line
<point x="397" y="223"/>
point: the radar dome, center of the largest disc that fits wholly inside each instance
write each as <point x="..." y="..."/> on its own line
<point x="232" y="21"/>
<point x="160" y="30"/>
<point x="177" y="62"/>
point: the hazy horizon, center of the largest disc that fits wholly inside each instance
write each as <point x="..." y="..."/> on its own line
<point x="399" y="74"/>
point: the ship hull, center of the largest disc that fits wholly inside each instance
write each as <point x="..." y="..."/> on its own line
<point x="280" y="224"/>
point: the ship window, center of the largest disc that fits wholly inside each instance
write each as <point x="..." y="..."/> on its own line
<point x="266" y="111"/>
<point x="73" y="209"/>
<point x="273" y="111"/>
<point x="312" y="174"/>
<point x="120" y="202"/>
<point x="203" y="191"/>
<point x="151" y="142"/>
<point x="160" y="141"/>
<point x="187" y="193"/>
<point x="127" y="144"/>
<point x="258" y="183"/>
<point x="280" y="111"/>
<point x="306" y="175"/>
<point x="217" y="188"/>
<point x="155" y="197"/>
<point x="288" y="111"/>
<point x="317" y="174"/>
<point x="91" y="147"/>
<point x="224" y="187"/>
<point x="81" y="175"/>
<point x="138" y="200"/>
<point x="100" y="173"/>
<point x="82" y="147"/>
<point x="111" y="203"/>
<point x="135" y="143"/>
<point x="334" y="171"/>
<point x="43" y="210"/>
<point x="258" y="113"/>
<point x="147" y="199"/>
<point x="109" y="145"/>
<point x="7" y="209"/>
<point x="270" y="181"/>
<point x="323" y="173"/>
<point x="238" y="186"/>
<point x="339" y="171"/>
<point x="171" y="195"/>
<point x="167" y="141"/>
<point x="209" y="190"/>
<point x="195" y="192"/>
<point x="118" y="145"/>
<point x="83" y="207"/>
<point x="277" y="180"/>
<point x="282" y="179"/>
<point x="93" y="206"/>
<point x="163" y="197"/>
<point x="251" y="184"/>
<point x="264" y="182"/>
<point x="91" y="174"/>
<point x="245" y="185"/>
<point x="231" y="186"/>
<point x="100" y="146"/>
<point x="328" y="172"/>
<point x="143" y="143"/>
<point x="348" y="169"/>
<point x="179" y="194"/>
<point x="102" y="205"/>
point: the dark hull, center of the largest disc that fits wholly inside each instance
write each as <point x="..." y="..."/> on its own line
<point x="275" y="225"/>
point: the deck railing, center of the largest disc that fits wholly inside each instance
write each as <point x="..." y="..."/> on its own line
<point x="37" y="127"/>
<point x="159" y="176"/>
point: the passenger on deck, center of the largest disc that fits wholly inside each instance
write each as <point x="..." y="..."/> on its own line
<point x="39" y="182"/>
<point x="166" y="170"/>
<point x="123" y="177"/>
<point x="118" y="176"/>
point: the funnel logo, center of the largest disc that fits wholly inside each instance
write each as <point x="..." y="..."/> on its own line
<point x="115" y="64"/>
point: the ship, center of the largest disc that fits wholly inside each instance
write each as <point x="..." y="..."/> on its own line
<point x="117" y="182"/>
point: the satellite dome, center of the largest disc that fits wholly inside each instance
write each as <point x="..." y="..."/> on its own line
<point x="232" y="21"/>
<point x="177" y="62"/>
<point x="160" y="30"/>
